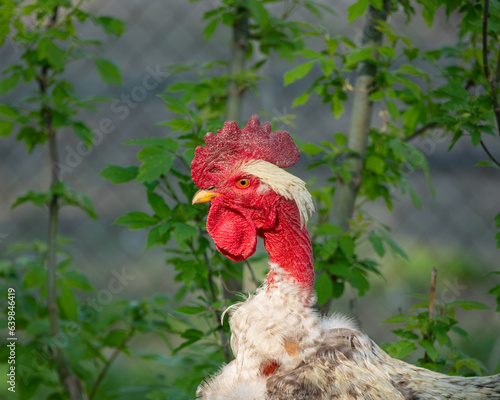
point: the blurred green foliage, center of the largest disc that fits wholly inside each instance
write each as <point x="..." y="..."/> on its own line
<point x="94" y="331"/>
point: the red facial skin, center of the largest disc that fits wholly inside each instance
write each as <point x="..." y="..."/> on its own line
<point x="240" y="214"/>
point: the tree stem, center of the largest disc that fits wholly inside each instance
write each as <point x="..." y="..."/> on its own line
<point x="346" y="192"/>
<point x="239" y="45"/>
<point x="235" y="91"/>
<point x="432" y="292"/>
<point x="66" y="376"/>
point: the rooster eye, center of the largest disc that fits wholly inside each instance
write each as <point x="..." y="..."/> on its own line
<point x="243" y="182"/>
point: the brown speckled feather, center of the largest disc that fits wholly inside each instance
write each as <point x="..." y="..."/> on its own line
<point x="349" y="366"/>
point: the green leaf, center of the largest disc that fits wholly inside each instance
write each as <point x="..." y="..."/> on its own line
<point x="358" y="55"/>
<point x="376" y="96"/>
<point x="192" y="336"/>
<point x="26" y="392"/>
<point x="258" y="12"/>
<point x="35" y="276"/>
<point x="311" y="149"/>
<point x="155" y="162"/>
<point x="158" y="205"/>
<point x="210" y="28"/>
<point x="158" y="235"/>
<point x="460" y="331"/>
<point x="327" y="66"/>
<point x="397" y="319"/>
<point x="378" y="4"/>
<point x="8" y="111"/>
<point x="429" y="349"/>
<point x="183" y="232"/>
<point x="400" y="349"/>
<point x="78" y="280"/>
<point x="356" y="10"/>
<point x="324" y="288"/>
<point x="298" y="72"/>
<point x="83" y="132"/>
<point x="394" y="247"/>
<point x="6" y="128"/>
<point x="37" y="198"/>
<point x="454" y="90"/>
<point x="136" y="220"/>
<point x="393" y="110"/>
<point x="338" y="289"/>
<point x="302" y="99"/>
<point x="337" y="105"/>
<point x="38" y="327"/>
<point x="114" y="338"/>
<point x="67" y="303"/>
<point x="187" y="310"/>
<point x="468" y="305"/>
<point x="359" y="281"/>
<point x="340" y="138"/>
<point x="175" y="105"/>
<point x="405" y="334"/>
<point x="110" y="25"/>
<point x="108" y="71"/>
<point x="414" y="198"/>
<point x="31" y="137"/>
<point x="347" y="245"/>
<point x="51" y="53"/>
<point x="375" y="164"/>
<point x="9" y="83"/>
<point x="179" y="124"/>
<point x="117" y="174"/>
<point x="328" y="229"/>
<point x="73" y="198"/>
<point x="411" y="70"/>
<point x="386" y="51"/>
<point x="377" y="244"/>
<point x="168" y="144"/>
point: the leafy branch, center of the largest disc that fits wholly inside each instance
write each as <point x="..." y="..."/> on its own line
<point x="67" y="377"/>
<point x="492" y="78"/>
<point x="116" y="352"/>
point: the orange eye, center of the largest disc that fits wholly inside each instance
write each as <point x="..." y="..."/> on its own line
<point x="243" y="182"/>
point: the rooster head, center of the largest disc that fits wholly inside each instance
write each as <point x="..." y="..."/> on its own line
<point x="240" y="172"/>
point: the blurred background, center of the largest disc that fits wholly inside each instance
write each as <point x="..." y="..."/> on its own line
<point x="453" y="231"/>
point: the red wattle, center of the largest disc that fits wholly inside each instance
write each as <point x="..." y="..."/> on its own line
<point x="232" y="230"/>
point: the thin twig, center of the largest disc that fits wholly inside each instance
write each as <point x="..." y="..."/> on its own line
<point x="254" y="279"/>
<point x="218" y="315"/>
<point x="70" y="13"/>
<point x="493" y="159"/>
<point x="108" y="363"/>
<point x="486" y="67"/>
<point x="432" y="292"/>
<point x="497" y="74"/>
<point x="168" y="186"/>
<point x="420" y="131"/>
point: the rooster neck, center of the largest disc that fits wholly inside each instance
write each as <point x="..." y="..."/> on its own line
<point x="289" y="246"/>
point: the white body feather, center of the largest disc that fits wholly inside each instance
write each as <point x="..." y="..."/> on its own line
<point x="269" y="326"/>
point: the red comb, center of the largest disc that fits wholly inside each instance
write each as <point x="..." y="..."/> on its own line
<point x="234" y="145"/>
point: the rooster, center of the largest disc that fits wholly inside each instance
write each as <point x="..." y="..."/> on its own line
<point x="283" y="349"/>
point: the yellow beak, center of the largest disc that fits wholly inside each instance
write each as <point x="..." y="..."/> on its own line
<point x="202" y="196"/>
